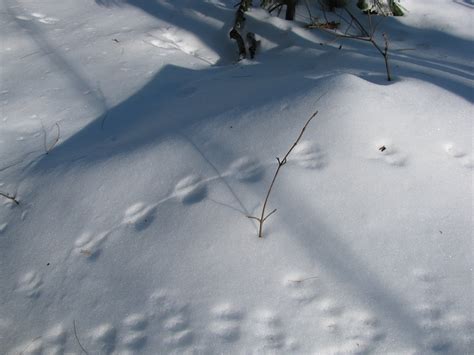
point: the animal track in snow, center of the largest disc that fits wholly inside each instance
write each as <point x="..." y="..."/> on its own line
<point x="308" y="155"/>
<point x="389" y="153"/>
<point x="268" y="329"/>
<point x="30" y="284"/>
<point x="358" y="332"/>
<point x="330" y="308"/>
<point x="191" y="189"/>
<point x="174" y="318"/>
<point x="445" y="331"/>
<point x="44" y="19"/>
<point x="176" y="329"/>
<point x="136" y="321"/>
<point x="361" y="325"/>
<point x="163" y="302"/>
<point x="135" y="325"/>
<point x="89" y="244"/>
<point x="246" y="169"/>
<point x="55" y="339"/>
<point x="38" y="17"/>
<point x="23" y="18"/>
<point x="301" y="288"/>
<point x="139" y="215"/>
<point x="226" y="322"/>
<point x="103" y="338"/>
<point x="454" y="151"/>
<point x="31" y="347"/>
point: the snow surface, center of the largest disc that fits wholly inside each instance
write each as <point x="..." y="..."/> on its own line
<point x="136" y="147"/>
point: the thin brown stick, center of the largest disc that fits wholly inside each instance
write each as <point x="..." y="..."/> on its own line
<point x="12" y="198"/>
<point x="77" y="338"/>
<point x="263" y="217"/>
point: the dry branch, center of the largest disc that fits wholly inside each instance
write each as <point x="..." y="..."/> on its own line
<point x="364" y="34"/>
<point x="77" y="338"/>
<point x="281" y="162"/>
<point x="12" y="198"/>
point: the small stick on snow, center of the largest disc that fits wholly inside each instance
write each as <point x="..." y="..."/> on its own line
<point x="12" y="198"/>
<point x="303" y="280"/>
<point x="77" y="339"/>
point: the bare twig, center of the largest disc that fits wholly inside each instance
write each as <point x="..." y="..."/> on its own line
<point x="281" y="162"/>
<point x="12" y="198"/>
<point x="363" y="34"/>
<point x="77" y="339"/>
<point x="309" y="10"/>
<point x="385" y="57"/>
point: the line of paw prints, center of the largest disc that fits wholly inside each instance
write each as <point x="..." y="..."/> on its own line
<point x="105" y="339"/>
<point x="445" y="330"/>
<point x="388" y="152"/>
<point x="140" y="215"/>
<point x="189" y="190"/>
<point x="102" y="339"/>
<point x="225" y="324"/>
<point x="172" y="319"/>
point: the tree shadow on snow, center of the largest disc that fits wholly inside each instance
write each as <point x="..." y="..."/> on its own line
<point x="167" y="104"/>
<point x="157" y="109"/>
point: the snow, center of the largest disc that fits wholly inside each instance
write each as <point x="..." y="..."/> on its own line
<point x="132" y="236"/>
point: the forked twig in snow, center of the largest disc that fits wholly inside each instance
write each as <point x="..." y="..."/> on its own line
<point x="263" y="217"/>
<point x="77" y="338"/>
<point x="12" y="198"/>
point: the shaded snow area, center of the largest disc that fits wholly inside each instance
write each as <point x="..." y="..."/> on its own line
<point x="136" y="146"/>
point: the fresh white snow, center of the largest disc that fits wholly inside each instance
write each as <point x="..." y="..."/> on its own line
<point x="137" y="146"/>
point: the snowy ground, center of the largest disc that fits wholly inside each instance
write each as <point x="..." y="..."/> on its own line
<point x="131" y="234"/>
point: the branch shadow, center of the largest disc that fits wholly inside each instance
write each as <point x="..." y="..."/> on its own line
<point x="162" y="107"/>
